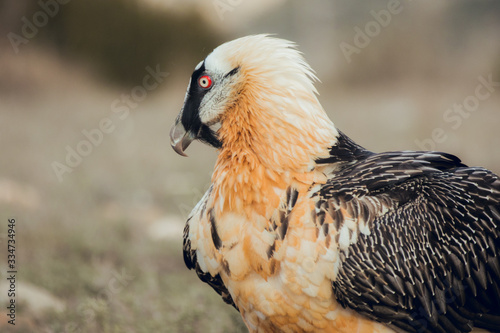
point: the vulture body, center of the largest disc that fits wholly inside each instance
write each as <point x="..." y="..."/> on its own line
<point x="303" y="230"/>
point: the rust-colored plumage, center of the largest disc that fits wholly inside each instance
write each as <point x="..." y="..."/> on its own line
<point x="302" y="230"/>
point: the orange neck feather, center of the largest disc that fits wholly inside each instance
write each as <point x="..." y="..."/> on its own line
<point x="263" y="152"/>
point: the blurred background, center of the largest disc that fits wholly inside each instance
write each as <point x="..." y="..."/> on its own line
<point x="89" y="90"/>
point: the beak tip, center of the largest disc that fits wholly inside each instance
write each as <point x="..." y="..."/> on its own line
<point x="178" y="148"/>
<point x="180" y="139"/>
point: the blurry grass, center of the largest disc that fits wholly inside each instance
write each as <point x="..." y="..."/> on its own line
<point x="76" y="263"/>
<point x="154" y="303"/>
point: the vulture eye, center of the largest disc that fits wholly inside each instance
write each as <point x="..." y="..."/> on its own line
<point x="205" y="82"/>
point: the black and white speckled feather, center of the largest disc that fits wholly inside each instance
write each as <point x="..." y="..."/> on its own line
<point x="424" y="255"/>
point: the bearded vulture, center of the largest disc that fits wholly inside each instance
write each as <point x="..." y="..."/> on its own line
<point x="303" y="230"/>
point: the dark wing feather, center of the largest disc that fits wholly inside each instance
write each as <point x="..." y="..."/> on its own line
<point x="192" y="263"/>
<point x="430" y="263"/>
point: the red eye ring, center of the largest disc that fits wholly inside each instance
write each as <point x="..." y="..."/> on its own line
<point x="205" y="82"/>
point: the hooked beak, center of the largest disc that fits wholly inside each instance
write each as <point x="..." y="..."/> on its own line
<point x="180" y="139"/>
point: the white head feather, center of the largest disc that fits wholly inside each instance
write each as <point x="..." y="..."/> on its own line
<point x="269" y="78"/>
